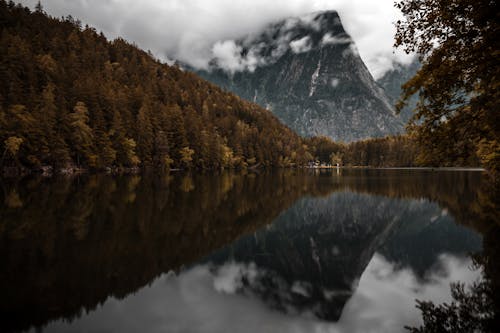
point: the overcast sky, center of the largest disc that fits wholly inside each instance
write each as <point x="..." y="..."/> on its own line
<point x="188" y="29"/>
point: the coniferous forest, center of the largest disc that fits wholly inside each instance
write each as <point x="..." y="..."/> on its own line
<point x="96" y="233"/>
<point x="71" y="98"/>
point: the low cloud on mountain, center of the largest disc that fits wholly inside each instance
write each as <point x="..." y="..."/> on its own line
<point x="195" y="31"/>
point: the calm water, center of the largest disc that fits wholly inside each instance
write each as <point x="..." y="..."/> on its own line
<point x="291" y="251"/>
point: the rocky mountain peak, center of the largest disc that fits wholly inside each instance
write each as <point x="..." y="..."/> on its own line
<point x="307" y="71"/>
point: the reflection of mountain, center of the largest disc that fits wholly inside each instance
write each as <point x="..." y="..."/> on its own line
<point x="420" y="240"/>
<point x="313" y="255"/>
<point x="68" y="244"/>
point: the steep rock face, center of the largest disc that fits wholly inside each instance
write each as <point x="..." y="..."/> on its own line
<point x="310" y="259"/>
<point x="392" y="81"/>
<point x="312" y="256"/>
<point x="308" y="72"/>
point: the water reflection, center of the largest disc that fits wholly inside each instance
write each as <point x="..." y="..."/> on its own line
<point x="313" y="255"/>
<point x="206" y="299"/>
<point x="72" y="244"/>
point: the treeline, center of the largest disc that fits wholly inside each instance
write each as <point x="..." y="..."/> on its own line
<point x="154" y="224"/>
<point x="391" y="151"/>
<point x="71" y="98"/>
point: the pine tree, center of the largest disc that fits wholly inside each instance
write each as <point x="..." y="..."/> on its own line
<point x="102" y="142"/>
<point x="81" y="135"/>
<point x="39" y="7"/>
<point x="145" y="134"/>
<point x="45" y="115"/>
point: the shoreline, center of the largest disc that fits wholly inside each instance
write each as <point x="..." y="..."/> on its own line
<point x="75" y="171"/>
<point x="418" y="168"/>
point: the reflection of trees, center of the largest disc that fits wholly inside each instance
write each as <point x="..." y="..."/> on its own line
<point x="77" y="241"/>
<point x="470" y="311"/>
<point x="475" y="308"/>
<point x="327" y="243"/>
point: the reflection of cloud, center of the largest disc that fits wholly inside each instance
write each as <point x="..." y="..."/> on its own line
<point x="385" y="292"/>
<point x="302" y="288"/>
<point x="229" y="278"/>
<point x="203" y="299"/>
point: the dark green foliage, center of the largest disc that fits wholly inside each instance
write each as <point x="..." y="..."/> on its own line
<point x="76" y="99"/>
<point x="391" y="151"/>
<point x="470" y="311"/>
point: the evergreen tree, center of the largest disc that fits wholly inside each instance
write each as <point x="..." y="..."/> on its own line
<point x="81" y="135"/>
<point x="145" y="134"/>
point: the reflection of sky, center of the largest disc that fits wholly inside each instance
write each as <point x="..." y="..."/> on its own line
<point x="204" y="299"/>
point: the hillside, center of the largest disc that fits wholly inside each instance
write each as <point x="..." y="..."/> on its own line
<point x="71" y="98"/>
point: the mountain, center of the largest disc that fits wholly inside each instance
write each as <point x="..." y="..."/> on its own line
<point x="310" y="259"/>
<point x="307" y="71"/>
<point x="121" y="233"/>
<point x="392" y="81"/>
<point x="71" y="98"/>
<point x="312" y="256"/>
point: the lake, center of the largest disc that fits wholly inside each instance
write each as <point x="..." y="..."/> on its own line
<point x="347" y="250"/>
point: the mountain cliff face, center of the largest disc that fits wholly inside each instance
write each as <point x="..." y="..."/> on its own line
<point x="308" y="72"/>
<point x="392" y="81"/>
<point x="310" y="259"/>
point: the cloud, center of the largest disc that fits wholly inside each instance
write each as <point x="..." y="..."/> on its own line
<point x="229" y="56"/>
<point x="301" y="45"/>
<point x="329" y="39"/>
<point x="229" y="277"/>
<point x="352" y="49"/>
<point x="306" y="19"/>
<point x="386" y="291"/>
<point x="370" y="24"/>
<point x="191" y="30"/>
<point x="204" y="299"/>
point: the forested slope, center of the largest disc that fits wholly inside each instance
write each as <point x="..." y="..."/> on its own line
<point x="70" y="97"/>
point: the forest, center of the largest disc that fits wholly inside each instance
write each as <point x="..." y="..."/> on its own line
<point x="70" y="99"/>
<point x="390" y="151"/>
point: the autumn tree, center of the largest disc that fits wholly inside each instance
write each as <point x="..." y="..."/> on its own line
<point x="145" y="133"/>
<point x="186" y="156"/>
<point x="81" y="134"/>
<point x="73" y="97"/>
<point x="45" y="115"/>
<point x="12" y="145"/>
<point x="456" y="119"/>
<point x="103" y="145"/>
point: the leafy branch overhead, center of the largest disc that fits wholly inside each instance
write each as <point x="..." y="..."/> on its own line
<point x="456" y="119"/>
